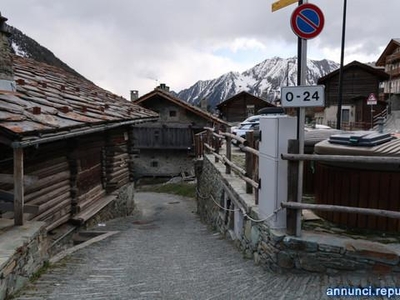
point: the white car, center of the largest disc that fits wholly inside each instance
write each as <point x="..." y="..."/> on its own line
<point x="317" y="127"/>
<point x="242" y="129"/>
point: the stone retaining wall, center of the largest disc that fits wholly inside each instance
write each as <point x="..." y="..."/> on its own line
<point x="312" y="252"/>
<point x="24" y="249"/>
<point x="122" y="206"/>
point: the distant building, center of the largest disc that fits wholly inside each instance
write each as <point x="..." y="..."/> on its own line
<point x="359" y="82"/>
<point x="390" y="60"/>
<point x="241" y="106"/>
<point x="165" y="148"/>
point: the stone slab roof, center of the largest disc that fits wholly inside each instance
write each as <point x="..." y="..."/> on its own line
<point x="49" y="100"/>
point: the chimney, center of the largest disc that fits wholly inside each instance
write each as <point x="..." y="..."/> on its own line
<point x="204" y="104"/>
<point x="134" y="95"/>
<point x="7" y="82"/>
<point x="164" y="87"/>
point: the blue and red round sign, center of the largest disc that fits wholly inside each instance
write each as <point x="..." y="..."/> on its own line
<point x="307" y="21"/>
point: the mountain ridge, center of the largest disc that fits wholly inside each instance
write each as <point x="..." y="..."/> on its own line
<point x="263" y="80"/>
<point x="23" y="45"/>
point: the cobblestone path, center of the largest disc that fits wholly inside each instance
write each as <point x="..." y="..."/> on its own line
<point x="167" y="253"/>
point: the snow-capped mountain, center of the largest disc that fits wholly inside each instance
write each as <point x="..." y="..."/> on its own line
<point x="263" y="80"/>
<point x="23" y="45"/>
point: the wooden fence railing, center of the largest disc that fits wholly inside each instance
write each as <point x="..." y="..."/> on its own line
<point x="292" y="206"/>
<point x="211" y="141"/>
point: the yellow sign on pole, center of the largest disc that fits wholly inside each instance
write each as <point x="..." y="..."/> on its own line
<point x="282" y="3"/>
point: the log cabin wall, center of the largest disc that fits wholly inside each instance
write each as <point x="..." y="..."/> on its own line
<point x="116" y="161"/>
<point x="241" y="106"/>
<point x="86" y="165"/>
<point x="359" y="81"/>
<point x="50" y="192"/>
<point x="70" y="176"/>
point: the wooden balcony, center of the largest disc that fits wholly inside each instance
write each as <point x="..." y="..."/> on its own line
<point x="394" y="72"/>
<point x="392" y="58"/>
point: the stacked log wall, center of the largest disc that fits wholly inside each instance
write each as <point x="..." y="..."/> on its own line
<point x="86" y="167"/>
<point x="72" y="177"/>
<point x="50" y="191"/>
<point x="116" y="160"/>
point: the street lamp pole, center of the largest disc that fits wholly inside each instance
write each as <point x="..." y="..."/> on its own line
<point x="340" y="93"/>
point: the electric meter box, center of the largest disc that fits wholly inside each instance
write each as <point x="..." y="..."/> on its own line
<point x="276" y="131"/>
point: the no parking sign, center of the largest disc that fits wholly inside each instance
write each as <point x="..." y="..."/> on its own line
<point x="307" y="21"/>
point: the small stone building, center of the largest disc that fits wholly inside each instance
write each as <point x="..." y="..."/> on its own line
<point x="166" y="148"/>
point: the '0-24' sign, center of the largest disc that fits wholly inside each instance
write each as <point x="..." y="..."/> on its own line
<point x="303" y="96"/>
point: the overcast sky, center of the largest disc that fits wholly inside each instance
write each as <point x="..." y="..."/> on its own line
<point x="136" y="44"/>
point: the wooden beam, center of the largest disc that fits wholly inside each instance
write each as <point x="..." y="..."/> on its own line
<point x="18" y="186"/>
<point x="9" y="178"/>
<point x="28" y="209"/>
<point x="346" y="209"/>
<point x="228" y="154"/>
<point x="249" y="161"/>
<point x="281" y="4"/>
<point x="6" y="196"/>
<point x="342" y="158"/>
<point x="293" y="171"/>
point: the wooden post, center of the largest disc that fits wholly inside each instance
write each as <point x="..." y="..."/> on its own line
<point x="209" y="139"/>
<point x="249" y="160"/>
<point x="217" y="142"/>
<point x="196" y="146"/>
<point x="256" y="176"/>
<point x="293" y="170"/>
<point x="18" y="186"/>
<point x="228" y="154"/>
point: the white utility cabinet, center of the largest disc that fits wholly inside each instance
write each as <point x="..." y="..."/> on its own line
<point x="276" y="131"/>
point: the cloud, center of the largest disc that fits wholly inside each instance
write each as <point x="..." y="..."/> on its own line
<point x="133" y="44"/>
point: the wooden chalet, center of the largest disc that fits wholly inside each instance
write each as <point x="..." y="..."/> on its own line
<point x="241" y="106"/>
<point x="166" y="147"/>
<point x="64" y="144"/>
<point x="359" y="82"/>
<point x="390" y="60"/>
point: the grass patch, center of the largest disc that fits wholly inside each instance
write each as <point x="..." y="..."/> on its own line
<point x="40" y="272"/>
<point x="180" y="189"/>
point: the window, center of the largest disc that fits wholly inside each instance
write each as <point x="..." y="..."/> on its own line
<point x="346" y="115"/>
<point x="154" y="164"/>
<point x="250" y="109"/>
<point x="173" y="113"/>
<point x="156" y="135"/>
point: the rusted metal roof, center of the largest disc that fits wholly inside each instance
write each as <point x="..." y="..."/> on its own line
<point x="51" y="100"/>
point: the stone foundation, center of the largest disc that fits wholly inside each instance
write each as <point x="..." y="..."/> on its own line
<point x="122" y="206"/>
<point x="273" y="249"/>
<point x="25" y="249"/>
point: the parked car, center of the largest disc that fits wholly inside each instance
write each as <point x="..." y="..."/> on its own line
<point x="253" y="123"/>
<point x="317" y="127"/>
<point x="241" y="131"/>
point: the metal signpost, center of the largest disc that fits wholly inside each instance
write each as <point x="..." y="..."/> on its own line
<point x="307" y="21"/>
<point x="372" y="100"/>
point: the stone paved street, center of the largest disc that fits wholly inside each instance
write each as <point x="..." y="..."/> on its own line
<point x="167" y="253"/>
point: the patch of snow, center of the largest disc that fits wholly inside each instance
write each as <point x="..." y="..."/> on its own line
<point x="18" y="50"/>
